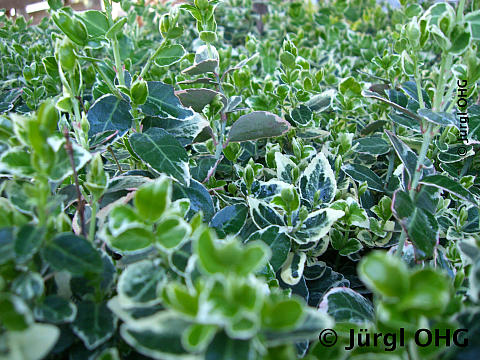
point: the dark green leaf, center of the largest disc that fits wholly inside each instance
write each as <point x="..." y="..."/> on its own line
<point x="362" y="173"/>
<point x="229" y="220"/>
<point x="6" y="245"/>
<point x="109" y="113"/>
<point x="372" y="145"/>
<point x="56" y="310"/>
<point x="421" y="226"/>
<point x="447" y="184"/>
<point x="257" y="125"/>
<point x="27" y="242"/>
<point x="170" y="55"/>
<point x="140" y="284"/>
<point x="275" y="237"/>
<point x="197" y="99"/>
<point x="439" y="118"/>
<point x="346" y="305"/>
<point x="94" y="324"/>
<point x="318" y="177"/>
<point x="72" y="253"/>
<point x="302" y="115"/>
<point x="200" y="199"/>
<point x="162" y="152"/>
<point x="162" y="102"/>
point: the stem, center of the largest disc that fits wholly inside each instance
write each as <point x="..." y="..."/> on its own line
<point x="401" y="244"/>
<point x="418" y="83"/>
<point x="118" y="62"/>
<point x="461" y="6"/>
<point x="152" y="57"/>
<point x="109" y="148"/>
<point x="80" y="206"/>
<point x="438" y="97"/>
<point x="91" y="232"/>
<point x="427" y="137"/>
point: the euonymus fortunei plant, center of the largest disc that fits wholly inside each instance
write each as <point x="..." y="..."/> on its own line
<point x="231" y="179"/>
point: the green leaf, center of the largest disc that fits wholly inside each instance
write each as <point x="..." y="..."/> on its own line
<point x="223" y="347"/>
<point x="181" y="299"/>
<point x="230" y="256"/>
<point x="474" y="19"/>
<point x="109" y="113"/>
<point x="95" y="21"/>
<point x="16" y="161"/>
<point x="33" y="343"/>
<point x="8" y="99"/>
<point x="292" y="269"/>
<point x="152" y="199"/>
<point x="132" y="239"/>
<point x="55" y="309"/>
<point x="278" y="241"/>
<point x="198" y="98"/>
<point x="171" y="233"/>
<point x="14" y="312"/>
<point x="186" y="131"/>
<point x="439" y="118"/>
<point x="354" y="214"/>
<point x="158" y="339"/>
<point x="445" y="183"/>
<point x="200" y="199"/>
<point x="116" y="28"/>
<point x="373" y="145"/>
<point x="162" y="102"/>
<point x="406" y="155"/>
<point x="72" y="253"/>
<point x="350" y="87"/>
<point x="29" y="286"/>
<point x="170" y="55"/>
<point x="429" y="293"/>
<point x="347" y="306"/>
<point x="318" y="177"/>
<point x="362" y="173"/>
<point x="162" y="152"/>
<point x="62" y="167"/>
<point x="140" y="284"/>
<point x="197" y="337"/>
<point x="302" y="115"/>
<point x="406" y="121"/>
<point x="229" y="220"/>
<point x="384" y="274"/>
<point x="203" y="67"/>
<point x="284" y="167"/>
<point x="410" y="87"/>
<point x="257" y="125"/>
<point x="28" y="240"/>
<point x="421" y="226"/>
<point x="94" y="324"/>
<point x="263" y="214"/>
<point x="317" y="225"/>
<point x="282" y="314"/>
<point x="460" y="37"/>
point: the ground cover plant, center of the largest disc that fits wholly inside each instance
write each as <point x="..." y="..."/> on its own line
<point x="241" y="180"/>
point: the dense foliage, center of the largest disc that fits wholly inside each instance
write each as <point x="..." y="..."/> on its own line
<point x="227" y="179"/>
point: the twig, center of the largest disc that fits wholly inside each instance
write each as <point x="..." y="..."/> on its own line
<point x="109" y="148"/>
<point x="212" y="170"/>
<point x="81" y="204"/>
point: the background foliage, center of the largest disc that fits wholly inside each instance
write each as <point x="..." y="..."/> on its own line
<point x="293" y="168"/>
